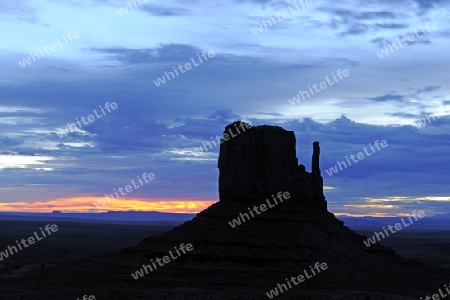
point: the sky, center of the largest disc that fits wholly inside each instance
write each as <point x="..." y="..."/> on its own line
<point x="346" y="75"/>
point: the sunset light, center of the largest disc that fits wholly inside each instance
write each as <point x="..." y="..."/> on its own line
<point x="86" y="204"/>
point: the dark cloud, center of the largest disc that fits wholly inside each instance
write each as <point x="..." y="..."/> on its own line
<point x="381" y="42"/>
<point x="424" y="6"/>
<point x="349" y="15"/>
<point x="163" y="54"/>
<point x="405" y="115"/>
<point x="376" y="15"/>
<point x="361" y="23"/>
<point x="356" y="29"/>
<point x="357" y="22"/>
<point x="255" y="1"/>
<point x="429" y="88"/>
<point x="392" y="26"/>
<point x="388" y="97"/>
<point x="164" y="11"/>
<point x="19" y="10"/>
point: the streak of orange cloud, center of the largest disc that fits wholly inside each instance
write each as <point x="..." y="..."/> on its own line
<point x="379" y="206"/>
<point x="372" y="214"/>
<point x="87" y="204"/>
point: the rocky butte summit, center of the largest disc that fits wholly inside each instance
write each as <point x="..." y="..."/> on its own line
<point x="258" y="163"/>
<point x="247" y="260"/>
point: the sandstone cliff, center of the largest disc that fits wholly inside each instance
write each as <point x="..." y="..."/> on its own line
<point x="258" y="162"/>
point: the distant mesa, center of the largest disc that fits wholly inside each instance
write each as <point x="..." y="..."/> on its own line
<point x="261" y="161"/>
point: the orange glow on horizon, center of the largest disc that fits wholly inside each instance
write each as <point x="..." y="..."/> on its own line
<point x="374" y="215"/>
<point x="371" y="207"/>
<point x="87" y="204"/>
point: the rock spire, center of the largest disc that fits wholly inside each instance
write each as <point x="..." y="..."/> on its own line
<point x="257" y="162"/>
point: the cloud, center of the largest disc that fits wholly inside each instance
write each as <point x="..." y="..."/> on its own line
<point x="388" y="97"/>
<point x="429" y="88"/>
<point x="19" y="10"/>
<point x="392" y="26"/>
<point x="405" y="115"/>
<point x="164" y="11"/>
<point x="162" y="54"/>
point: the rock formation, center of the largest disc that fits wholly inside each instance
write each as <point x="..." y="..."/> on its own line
<point x="253" y="256"/>
<point x="257" y="162"/>
<point x="316" y="178"/>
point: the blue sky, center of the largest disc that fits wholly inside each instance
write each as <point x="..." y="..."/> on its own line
<point x="118" y="55"/>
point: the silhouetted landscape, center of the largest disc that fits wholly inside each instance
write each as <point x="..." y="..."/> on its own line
<point x="232" y="250"/>
<point x="224" y="150"/>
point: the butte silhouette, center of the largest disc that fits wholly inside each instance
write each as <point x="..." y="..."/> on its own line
<point x="257" y="167"/>
<point x="247" y="260"/>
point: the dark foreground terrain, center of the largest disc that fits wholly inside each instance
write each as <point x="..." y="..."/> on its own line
<point x="75" y="243"/>
<point x="431" y="247"/>
<point x="72" y="242"/>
